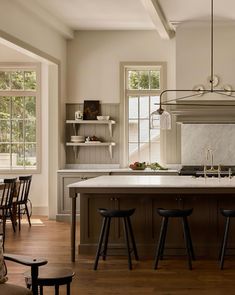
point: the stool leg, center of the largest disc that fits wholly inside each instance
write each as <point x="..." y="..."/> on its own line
<point x="100" y="242"/>
<point x="190" y="239"/>
<point x="187" y="243"/>
<point x="41" y="290"/>
<point x="127" y="242"/>
<point x="57" y="289"/>
<point x="68" y="289"/>
<point x="224" y="243"/>
<point x="164" y="238"/>
<point x="132" y="238"/>
<point x="106" y="238"/>
<point x="160" y="241"/>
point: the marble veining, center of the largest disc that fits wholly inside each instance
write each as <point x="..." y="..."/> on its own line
<point x="197" y="138"/>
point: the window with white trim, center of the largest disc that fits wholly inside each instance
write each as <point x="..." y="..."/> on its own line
<point x="19" y="114"/>
<point x="143" y="85"/>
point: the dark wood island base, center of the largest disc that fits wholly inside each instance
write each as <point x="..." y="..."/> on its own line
<point x="206" y="222"/>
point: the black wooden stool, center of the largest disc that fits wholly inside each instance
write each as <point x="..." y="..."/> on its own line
<point x="104" y="234"/>
<point x="228" y="213"/>
<point x="51" y="277"/>
<point x="176" y="213"/>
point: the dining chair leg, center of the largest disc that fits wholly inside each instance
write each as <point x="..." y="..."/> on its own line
<point x="12" y="220"/>
<point x="19" y="217"/>
<point x="27" y="213"/>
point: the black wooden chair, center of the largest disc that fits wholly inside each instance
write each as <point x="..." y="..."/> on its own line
<point x="22" y="199"/>
<point x="7" y="194"/>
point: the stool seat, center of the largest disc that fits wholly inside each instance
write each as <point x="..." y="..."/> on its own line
<point x="116" y="213"/>
<point x="52" y="277"/>
<point x="107" y="215"/>
<point x="174" y="212"/>
<point x="227" y="212"/>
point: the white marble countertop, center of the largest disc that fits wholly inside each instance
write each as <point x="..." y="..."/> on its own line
<point x="154" y="181"/>
<point x="110" y="170"/>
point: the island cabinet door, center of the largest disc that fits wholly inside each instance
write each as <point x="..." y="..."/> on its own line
<point x="91" y="220"/>
<point x="203" y="224"/>
<point x="174" y="237"/>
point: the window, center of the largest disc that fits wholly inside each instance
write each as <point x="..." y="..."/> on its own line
<point x="142" y="87"/>
<point x="19" y="109"/>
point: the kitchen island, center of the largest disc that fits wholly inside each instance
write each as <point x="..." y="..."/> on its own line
<point x="146" y="193"/>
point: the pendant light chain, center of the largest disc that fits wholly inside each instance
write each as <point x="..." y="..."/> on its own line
<point x="212" y="46"/>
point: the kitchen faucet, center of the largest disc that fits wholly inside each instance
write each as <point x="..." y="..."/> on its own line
<point x="209" y="154"/>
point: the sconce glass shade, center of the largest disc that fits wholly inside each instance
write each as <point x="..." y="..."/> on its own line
<point x="165" y="121"/>
<point x="160" y="121"/>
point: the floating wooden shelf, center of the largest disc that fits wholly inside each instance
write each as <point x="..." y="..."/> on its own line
<point x="107" y="122"/>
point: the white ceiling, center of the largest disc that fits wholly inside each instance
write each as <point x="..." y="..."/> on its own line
<point x="67" y="16"/>
<point x="131" y="14"/>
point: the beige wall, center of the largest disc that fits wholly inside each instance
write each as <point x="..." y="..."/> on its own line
<point x="94" y="57"/>
<point x="23" y="28"/>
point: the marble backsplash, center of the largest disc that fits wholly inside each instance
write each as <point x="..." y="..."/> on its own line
<point x="197" y="138"/>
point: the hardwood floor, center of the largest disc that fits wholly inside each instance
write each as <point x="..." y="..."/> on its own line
<point x="51" y="240"/>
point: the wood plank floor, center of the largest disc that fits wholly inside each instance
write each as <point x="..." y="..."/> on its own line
<point x="52" y="241"/>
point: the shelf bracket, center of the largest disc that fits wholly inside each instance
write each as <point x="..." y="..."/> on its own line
<point x="110" y="151"/>
<point x="75" y="150"/>
<point x="110" y="129"/>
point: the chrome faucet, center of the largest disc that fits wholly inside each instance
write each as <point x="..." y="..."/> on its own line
<point x="209" y="154"/>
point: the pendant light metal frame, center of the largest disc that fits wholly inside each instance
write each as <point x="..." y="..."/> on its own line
<point x="196" y="92"/>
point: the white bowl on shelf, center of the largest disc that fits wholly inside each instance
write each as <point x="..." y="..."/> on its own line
<point x="103" y="118"/>
<point x="77" y="138"/>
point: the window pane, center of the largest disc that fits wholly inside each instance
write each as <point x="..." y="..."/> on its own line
<point x="17" y="131"/>
<point x="144" y="79"/>
<point x="133" y="80"/>
<point x="144" y="130"/>
<point x="17" y="80"/>
<point x="17" y="156"/>
<point x="153" y="101"/>
<point x="4" y="80"/>
<point x="144" y="152"/>
<point x="155" y="152"/>
<point x="133" y="130"/>
<point x="30" y="107"/>
<point x="154" y="79"/>
<point x="30" y="155"/>
<point x="30" y="80"/>
<point x="5" y="107"/>
<point x="5" y="156"/>
<point x="133" y="107"/>
<point x="18" y="107"/>
<point x="30" y="131"/>
<point x="5" y="131"/>
<point x="144" y="107"/>
<point x="133" y="152"/>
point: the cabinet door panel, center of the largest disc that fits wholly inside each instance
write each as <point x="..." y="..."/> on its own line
<point x="66" y="200"/>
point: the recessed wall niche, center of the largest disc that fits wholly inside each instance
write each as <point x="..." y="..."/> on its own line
<point x="197" y="138"/>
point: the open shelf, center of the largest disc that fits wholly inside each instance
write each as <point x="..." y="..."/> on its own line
<point x="76" y="145"/>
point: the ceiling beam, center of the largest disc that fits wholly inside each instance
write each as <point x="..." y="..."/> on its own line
<point x="162" y="25"/>
<point x="47" y="18"/>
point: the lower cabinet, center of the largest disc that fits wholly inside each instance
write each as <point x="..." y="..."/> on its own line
<point x="63" y="201"/>
<point x="206" y="223"/>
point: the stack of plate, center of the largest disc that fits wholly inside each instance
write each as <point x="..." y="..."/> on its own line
<point x="77" y="138"/>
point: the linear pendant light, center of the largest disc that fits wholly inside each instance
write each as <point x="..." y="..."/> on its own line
<point x="164" y="117"/>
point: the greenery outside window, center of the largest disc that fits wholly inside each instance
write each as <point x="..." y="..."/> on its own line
<point x="142" y="85"/>
<point x="19" y="116"/>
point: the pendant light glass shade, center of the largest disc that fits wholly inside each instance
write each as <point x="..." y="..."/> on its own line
<point x="160" y="120"/>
